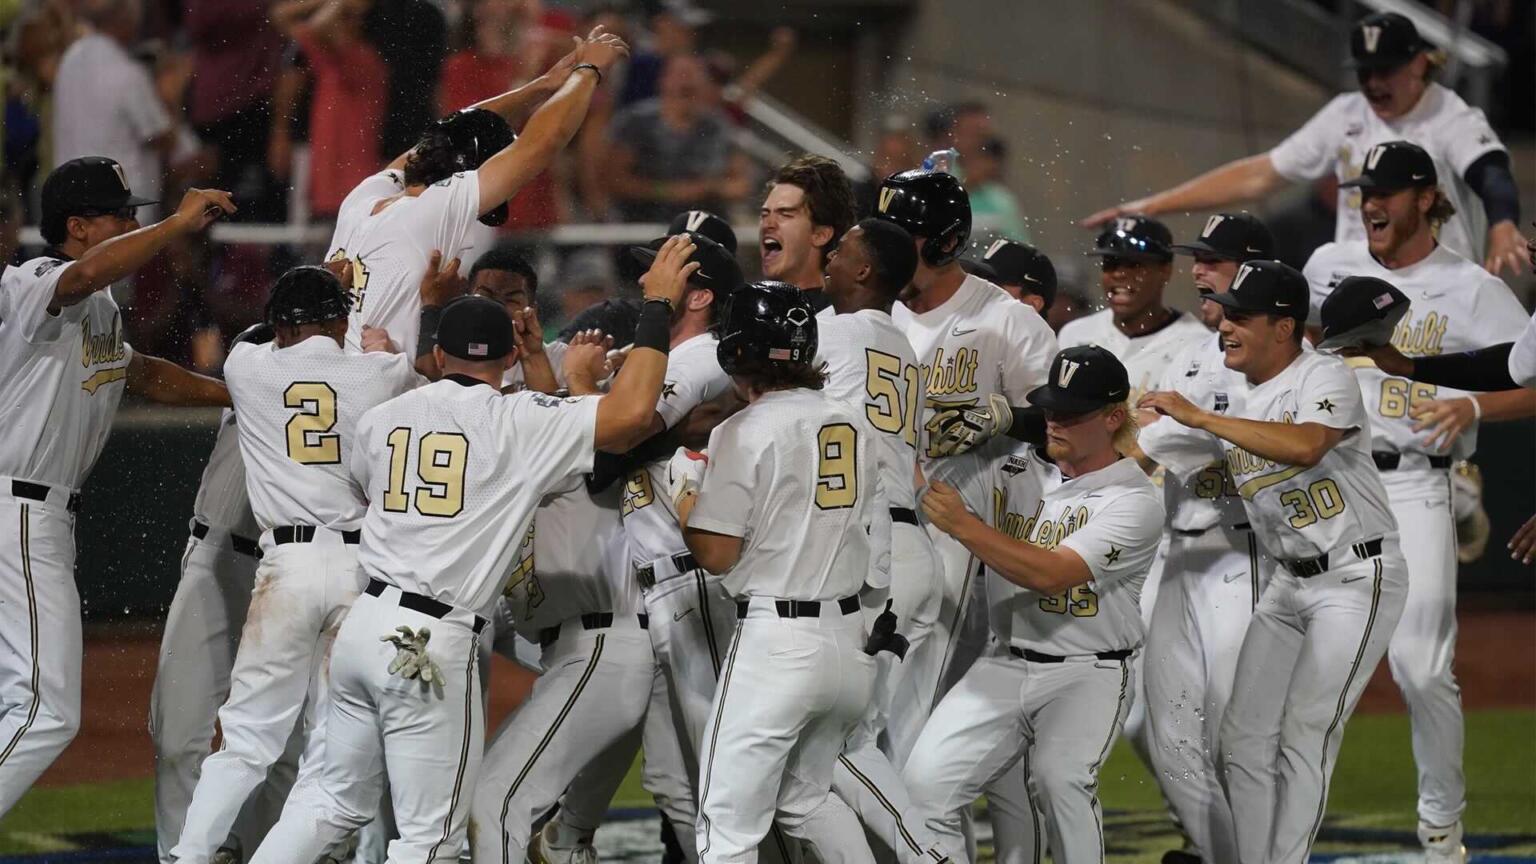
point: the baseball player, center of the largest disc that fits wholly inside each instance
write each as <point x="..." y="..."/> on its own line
<point x="1069" y="542"/>
<point x="453" y="473"/>
<point x="787" y="509"/>
<point x="1021" y="270"/>
<point x="63" y="369"/>
<point x="464" y="168"/>
<point x="298" y="399"/>
<point x="1296" y="445"/>
<point x="1453" y="305"/>
<point x="807" y="208"/>
<point x="197" y="649"/>
<point x="869" y="362"/>
<point x="1213" y="571"/>
<point x="1397" y="99"/>
<point x="974" y="342"/>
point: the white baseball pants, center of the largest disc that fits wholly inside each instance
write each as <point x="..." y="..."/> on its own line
<point x="1424" y="645"/>
<point x="1057" y="719"/>
<point x="302" y="592"/>
<point x="40" y="638"/>
<point x="791" y="692"/>
<point x="428" y="738"/>
<point x="1211" y="583"/>
<point x="1309" y="651"/>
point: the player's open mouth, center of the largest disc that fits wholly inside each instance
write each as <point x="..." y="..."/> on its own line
<point x="1376" y="224"/>
<point x="1120" y="295"/>
<point x="770" y="248"/>
<point x="1230" y="345"/>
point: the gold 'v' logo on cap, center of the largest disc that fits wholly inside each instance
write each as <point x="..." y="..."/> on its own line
<point x="1372" y="35"/>
<point x="1065" y="373"/>
<point x="1210" y="225"/>
<point x="695" y="219"/>
<point x="992" y="250"/>
<point x="886" y="196"/>
<point x="121" y="177"/>
<point x="1242" y="274"/>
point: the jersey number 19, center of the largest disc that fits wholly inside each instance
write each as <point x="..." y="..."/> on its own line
<point x="441" y="459"/>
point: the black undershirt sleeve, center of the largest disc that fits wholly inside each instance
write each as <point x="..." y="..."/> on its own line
<point x="1028" y="425"/>
<point x="1483" y="370"/>
<point x="1491" y="179"/>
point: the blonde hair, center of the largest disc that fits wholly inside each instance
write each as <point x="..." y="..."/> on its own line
<point x="1125" y="437"/>
<point x="1441" y="211"/>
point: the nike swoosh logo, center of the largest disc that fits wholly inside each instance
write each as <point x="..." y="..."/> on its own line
<point x="1350" y="579"/>
<point x="1233" y="578"/>
<point x="956" y="331"/>
<point x="683" y="614"/>
<point x="1028" y="278"/>
<point x="1254" y="251"/>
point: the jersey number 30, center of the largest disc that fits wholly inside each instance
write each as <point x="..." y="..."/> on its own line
<point x="441" y="459"/>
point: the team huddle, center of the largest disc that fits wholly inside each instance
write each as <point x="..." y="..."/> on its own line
<point x="840" y="552"/>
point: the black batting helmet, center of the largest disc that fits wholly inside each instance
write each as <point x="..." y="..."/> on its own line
<point x="932" y="205"/>
<point x="307" y="295"/>
<point x="766" y="324"/>
<point x="472" y="135"/>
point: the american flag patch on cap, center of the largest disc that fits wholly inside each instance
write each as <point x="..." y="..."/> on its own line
<point x="479" y="349"/>
<point x="1382" y="301"/>
<point x="779" y="354"/>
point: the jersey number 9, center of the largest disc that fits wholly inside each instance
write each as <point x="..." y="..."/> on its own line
<point x="837" y="469"/>
<point x="441" y="460"/>
<point x="310" y="439"/>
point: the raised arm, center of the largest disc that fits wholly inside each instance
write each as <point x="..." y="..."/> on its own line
<point x="1302" y="444"/>
<point x="163" y="381"/>
<point x="121" y="256"/>
<point x="553" y="125"/>
<point x="1237" y="181"/>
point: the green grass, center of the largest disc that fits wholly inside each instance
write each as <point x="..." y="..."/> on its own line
<point x="1372" y="788"/>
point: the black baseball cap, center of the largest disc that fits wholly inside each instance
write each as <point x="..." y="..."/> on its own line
<point x="88" y="186"/>
<point x="1083" y="378"/>
<point x="1233" y="237"/>
<point x="702" y="222"/>
<point x="1394" y="165"/>
<point x="1136" y="237"/>
<point x="1007" y="262"/>
<point x="1266" y="288"/>
<point x="475" y="328"/>
<point x="1361" y="311"/>
<point x="1384" y="40"/>
<point x="718" y="268"/>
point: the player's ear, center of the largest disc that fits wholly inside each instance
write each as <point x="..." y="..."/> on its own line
<point x="821" y="235"/>
<point x="75" y="228"/>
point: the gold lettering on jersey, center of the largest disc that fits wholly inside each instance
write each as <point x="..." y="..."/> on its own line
<point x="1046" y="534"/>
<point x="953" y="374"/>
<point x="1423" y="337"/>
<point x="97" y="348"/>
<point x="1015" y="525"/>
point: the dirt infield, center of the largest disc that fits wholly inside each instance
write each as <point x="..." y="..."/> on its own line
<point x="1496" y="664"/>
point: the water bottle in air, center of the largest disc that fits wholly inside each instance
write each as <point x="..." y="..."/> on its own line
<point x="942" y="160"/>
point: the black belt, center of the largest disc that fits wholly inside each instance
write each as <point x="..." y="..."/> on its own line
<point x="1388" y="461"/>
<point x="589" y="621"/>
<point x="39" y="492"/>
<point x="647" y="574"/>
<point x="419" y="603"/>
<point x="243" y="545"/>
<point x="1197" y="532"/>
<point x="1305" y="568"/>
<point x="802" y="608"/>
<point x="284" y="534"/>
<point x="904" y="514"/>
<point x="1037" y="657"/>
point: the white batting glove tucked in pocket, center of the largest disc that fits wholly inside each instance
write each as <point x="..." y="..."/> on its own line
<point x="411" y="658"/>
<point x="684" y="473"/>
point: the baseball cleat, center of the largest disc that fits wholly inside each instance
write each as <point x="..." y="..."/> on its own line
<point x="1442" y="845"/>
<point x="543" y="851"/>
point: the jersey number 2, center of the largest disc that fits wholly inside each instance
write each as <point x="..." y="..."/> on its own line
<point x="310" y="439"/>
<point x="441" y="459"/>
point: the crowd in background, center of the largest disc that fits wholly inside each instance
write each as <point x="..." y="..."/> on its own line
<point x="289" y="103"/>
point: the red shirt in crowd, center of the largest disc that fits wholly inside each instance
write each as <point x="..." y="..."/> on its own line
<point x="235" y="55"/>
<point x="350" y="85"/>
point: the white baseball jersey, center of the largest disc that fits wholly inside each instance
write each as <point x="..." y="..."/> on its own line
<point x="453" y="473"/>
<point x="564" y="570"/>
<point x="61" y="376"/>
<point x="1300" y="512"/>
<point x="1205" y="497"/>
<point x="871" y="362"/>
<point x="979" y="342"/>
<point x="513" y="378"/>
<point x="1455" y="306"/>
<point x="693" y="377"/>
<point x="299" y="408"/>
<point x="390" y="249"/>
<point x="221" y="497"/>
<point x="1522" y="358"/>
<point x="1146" y="356"/>
<point x="794" y="475"/>
<point x="1339" y="136"/>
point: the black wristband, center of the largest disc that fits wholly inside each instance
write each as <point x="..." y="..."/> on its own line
<point x="426" y="338"/>
<point x="654" y="329"/>
<point x="595" y="71"/>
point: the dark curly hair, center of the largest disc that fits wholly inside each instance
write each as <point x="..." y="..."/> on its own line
<point x="828" y="194"/>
